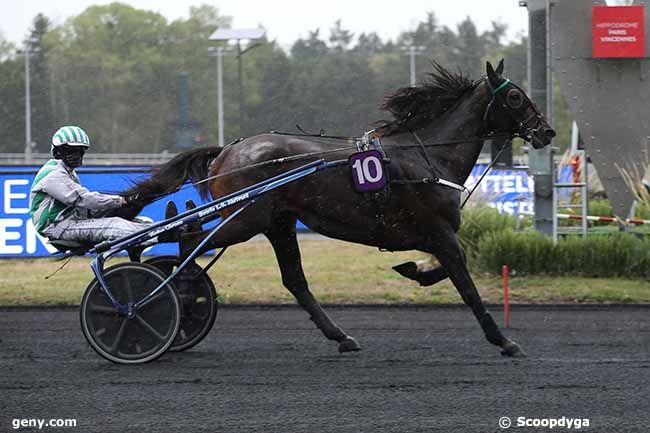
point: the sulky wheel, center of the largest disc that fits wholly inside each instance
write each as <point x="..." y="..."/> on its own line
<point x="130" y="340"/>
<point x="198" y="301"/>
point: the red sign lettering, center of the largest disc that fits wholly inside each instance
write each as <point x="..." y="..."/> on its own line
<point x="618" y="31"/>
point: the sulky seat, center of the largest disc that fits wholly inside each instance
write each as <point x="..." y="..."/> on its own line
<point x="75" y="248"/>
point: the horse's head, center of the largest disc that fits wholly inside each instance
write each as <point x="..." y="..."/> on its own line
<point x="511" y="111"/>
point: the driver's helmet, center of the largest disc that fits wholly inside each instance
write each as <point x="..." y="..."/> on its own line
<point x="70" y="135"/>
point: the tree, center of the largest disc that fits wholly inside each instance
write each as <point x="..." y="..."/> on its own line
<point x="270" y="91"/>
<point x="12" y="95"/>
<point x="117" y="70"/>
<point x="469" y="49"/>
<point x="516" y="62"/>
<point x="114" y="70"/>
<point x="111" y="77"/>
<point x="187" y="51"/>
<point x="426" y="32"/>
<point x="369" y="44"/>
<point x="492" y="38"/>
<point x="340" y="38"/>
<point x="309" y="48"/>
<point x="41" y="104"/>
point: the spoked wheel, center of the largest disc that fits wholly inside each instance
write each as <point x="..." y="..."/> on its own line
<point x="198" y="301"/>
<point x="130" y="340"/>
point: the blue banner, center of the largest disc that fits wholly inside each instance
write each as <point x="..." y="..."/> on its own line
<point x="507" y="190"/>
<point x="18" y="237"/>
<point x="511" y="190"/>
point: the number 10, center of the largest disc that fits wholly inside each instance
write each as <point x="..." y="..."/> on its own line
<point x="362" y="170"/>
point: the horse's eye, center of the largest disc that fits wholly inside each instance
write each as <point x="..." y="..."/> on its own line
<point x="514" y="98"/>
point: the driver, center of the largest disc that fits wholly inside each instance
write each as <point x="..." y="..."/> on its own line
<point x="62" y="209"/>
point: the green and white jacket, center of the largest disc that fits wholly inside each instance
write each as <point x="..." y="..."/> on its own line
<point x="56" y="195"/>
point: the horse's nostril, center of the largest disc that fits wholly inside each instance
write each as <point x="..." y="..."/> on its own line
<point x="549" y="133"/>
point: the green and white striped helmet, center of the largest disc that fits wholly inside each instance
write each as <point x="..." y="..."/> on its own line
<point x="70" y="135"/>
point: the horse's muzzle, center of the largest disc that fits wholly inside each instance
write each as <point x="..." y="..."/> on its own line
<point x="542" y="137"/>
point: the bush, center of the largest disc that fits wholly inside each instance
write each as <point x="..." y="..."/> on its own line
<point x="642" y="210"/>
<point x="528" y="252"/>
<point x="619" y="255"/>
<point x="479" y="221"/>
<point x="600" y="208"/>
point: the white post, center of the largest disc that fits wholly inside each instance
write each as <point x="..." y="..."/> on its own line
<point x="412" y="53"/>
<point x="28" y="111"/>
<point x="220" y="93"/>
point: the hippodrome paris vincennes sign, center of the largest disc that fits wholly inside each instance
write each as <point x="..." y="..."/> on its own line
<point x="618" y="31"/>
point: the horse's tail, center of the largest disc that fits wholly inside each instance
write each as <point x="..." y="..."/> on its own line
<point x="167" y="178"/>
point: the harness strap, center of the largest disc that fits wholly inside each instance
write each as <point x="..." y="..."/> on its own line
<point x="501" y="86"/>
<point x="453" y="185"/>
<point x="436" y="179"/>
<point x="424" y="150"/>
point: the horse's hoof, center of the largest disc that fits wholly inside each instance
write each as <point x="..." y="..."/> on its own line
<point x="512" y="349"/>
<point x="408" y="270"/>
<point x="349" y="345"/>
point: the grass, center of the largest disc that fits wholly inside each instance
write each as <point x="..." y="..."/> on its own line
<point x="338" y="272"/>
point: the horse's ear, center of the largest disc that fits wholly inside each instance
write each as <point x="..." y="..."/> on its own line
<point x="492" y="76"/>
<point x="500" y="67"/>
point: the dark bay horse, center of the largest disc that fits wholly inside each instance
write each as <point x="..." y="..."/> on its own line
<point x="438" y="130"/>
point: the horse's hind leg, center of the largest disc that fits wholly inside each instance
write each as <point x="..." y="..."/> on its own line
<point x="285" y="244"/>
<point x="444" y="245"/>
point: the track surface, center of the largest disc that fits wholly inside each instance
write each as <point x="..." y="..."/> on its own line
<point x="269" y="370"/>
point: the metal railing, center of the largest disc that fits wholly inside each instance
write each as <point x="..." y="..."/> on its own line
<point x="92" y="158"/>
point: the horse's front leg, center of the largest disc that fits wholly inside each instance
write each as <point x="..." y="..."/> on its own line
<point x="444" y="245"/>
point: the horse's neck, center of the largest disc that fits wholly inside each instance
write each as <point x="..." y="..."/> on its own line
<point x="463" y="121"/>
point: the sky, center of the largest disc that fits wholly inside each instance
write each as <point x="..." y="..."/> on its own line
<point x="288" y="20"/>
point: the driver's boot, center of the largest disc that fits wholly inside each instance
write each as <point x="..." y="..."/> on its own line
<point x="193" y="226"/>
<point x="171" y="235"/>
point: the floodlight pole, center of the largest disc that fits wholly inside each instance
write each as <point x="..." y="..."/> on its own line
<point x="28" y="109"/>
<point x="219" y="52"/>
<point x="226" y="35"/>
<point x="412" y="51"/>
<point x="412" y="55"/>
<point x="220" y="94"/>
<point x="240" y="77"/>
<point x="240" y="82"/>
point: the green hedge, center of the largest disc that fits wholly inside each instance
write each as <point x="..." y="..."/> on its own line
<point x="618" y="255"/>
<point x="477" y="222"/>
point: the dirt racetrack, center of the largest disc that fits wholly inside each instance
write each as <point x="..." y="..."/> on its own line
<point x="270" y="370"/>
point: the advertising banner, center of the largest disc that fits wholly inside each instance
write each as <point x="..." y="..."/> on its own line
<point x="18" y="237"/>
<point x="508" y="190"/>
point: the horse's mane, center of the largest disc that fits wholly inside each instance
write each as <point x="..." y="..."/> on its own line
<point x="414" y="107"/>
